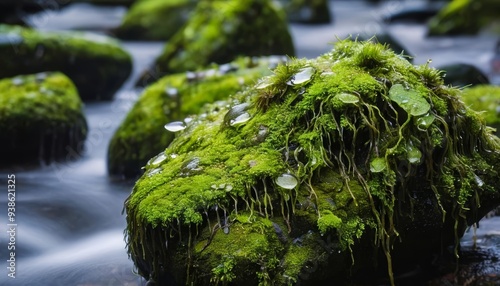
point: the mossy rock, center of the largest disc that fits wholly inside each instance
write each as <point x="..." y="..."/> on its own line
<point x="349" y="165"/>
<point x="461" y="74"/>
<point x="307" y="11"/>
<point x="467" y="17"/>
<point x="220" y="31"/>
<point x="486" y="100"/>
<point x="41" y="119"/>
<point x="155" y="20"/>
<point x="97" y="65"/>
<point x="142" y="134"/>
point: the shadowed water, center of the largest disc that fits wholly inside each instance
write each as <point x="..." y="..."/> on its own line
<point x="70" y="226"/>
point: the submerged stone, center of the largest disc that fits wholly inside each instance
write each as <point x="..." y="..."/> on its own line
<point x="174" y="98"/>
<point x="357" y="188"/>
<point x="98" y="66"/>
<point x="220" y="31"/>
<point x="41" y="119"/>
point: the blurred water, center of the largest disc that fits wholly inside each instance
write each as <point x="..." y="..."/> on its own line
<point x="70" y="227"/>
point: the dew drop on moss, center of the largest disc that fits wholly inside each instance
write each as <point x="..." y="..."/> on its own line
<point x="479" y="181"/>
<point x="348" y="98"/>
<point x="287" y="181"/>
<point x="229" y="188"/>
<point x="264" y="83"/>
<point x="154" y="171"/>
<point x="175" y="126"/>
<point x="237" y="114"/>
<point x="172" y="92"/>
<point x="242" y="118"/>
<point x="304" y="75"/>
<point x="413" y="155"/>
<point x="158" y="159"/>
<point x="226" y="229"/>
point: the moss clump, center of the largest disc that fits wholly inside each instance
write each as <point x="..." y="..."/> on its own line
<point x="355" y="152"/>
<point x="98" y="66"/>
<point x="465" y="17"/>
<point x="486" y="100"/>
<point x="41" y="119"/>
<point x="155" y="20"/>
<point x="220" y="31"/>
<point x="174" y="97"/>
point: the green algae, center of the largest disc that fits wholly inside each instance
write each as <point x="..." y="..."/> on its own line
<point x="154" y="20"/>
<point x="371" y="175"/>
<point x="141" y="135"/>
<point x="465" y="17"/>
<point x="97" y="65"/>
<point x="41" y="119"/>
<point x="214" y="34"/>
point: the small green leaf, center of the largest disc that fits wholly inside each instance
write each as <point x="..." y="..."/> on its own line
<point x="424" y="122"/>
<point x="410" y="100"/>
<point x="377" y="165"/>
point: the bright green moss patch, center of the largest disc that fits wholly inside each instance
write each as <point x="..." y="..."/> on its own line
<point x="219" y="32"/>
<point x="486" y="100"/>
<point x="142" y="134"/>
<point x="41" y="119"/>
<point x="322" y="162"/>
<point x="98" y="66"/>
<point x="466" y="17"/>
<point x="155" y="20"/>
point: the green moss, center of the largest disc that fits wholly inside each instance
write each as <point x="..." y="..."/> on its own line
<point x="220" y="31"/>
<point x="41" y="119"/>
<point x="154" y="20"/>
<point x="465" y="17"/>
<point x="355" y="151"/>
<point x="97" y="65"/>
<point x="486" y="100"/>
<point x="175" y="97"/>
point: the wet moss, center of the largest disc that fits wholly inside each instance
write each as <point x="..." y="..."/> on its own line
<point x="465" y="17"/>
<point x="486" y="100"/>
<point x="98" y="66"/>
<point x="385" y="160"/>
<point x="154" y="20"/>
<point x="220" y="31"/>
<point x="41" y="120"/>
<point x="142" y="134"/>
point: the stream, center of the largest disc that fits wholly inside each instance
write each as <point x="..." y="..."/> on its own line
<point x="68" y="215"/>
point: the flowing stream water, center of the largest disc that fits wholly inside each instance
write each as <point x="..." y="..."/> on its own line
<point x="68" y="215"/>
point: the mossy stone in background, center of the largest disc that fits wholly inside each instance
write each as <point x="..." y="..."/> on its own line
<point x="97" y="65"/>
<point x="155" y="20"/>
<point x="461" y="74"/>
<point x="307" y="11"/>
<point x="339" y="168"/>
<point x="464" y="17"/>
<point x="220" y="31"/>
<point x="485" y="99"/>
<point x="142" y="134"/>
<point x="41" y="119"/>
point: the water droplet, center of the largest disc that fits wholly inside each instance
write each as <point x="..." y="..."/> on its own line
<point x="348" y="98"/>
<point x="479" y="182"/>
<point x="229" y="188"/>
<point x="191" y="76"/>
<point x="237" y="114"/>
<point x="413" y="155"/>
<point x="173" y="156"/>
<point x="226" y="229"/>
<point x="304" y="75"/>
<point x="154" y="171"/>
<point x="214" y="186"/>
<point x="17" y="81"/>
<point x="191" y="167"/>
<point x="187" y="120"/>
<point x="404" y="101"/>
<point x="222" y="186"/>
<point x="327" y="73"/>
<point x="242" y="118"/>
<point x="172" y="92"/>
<point x="175" y="126"/>
<point x="287" y="181"/>
<point x="263" y="83"/>
<point x="158" y="159"/>
<point x="252" y="163"/>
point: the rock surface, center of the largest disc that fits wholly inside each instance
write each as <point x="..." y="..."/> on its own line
<point x="97" y="65"/>
<point x="350" y="165"/>
<point x="41" y="119"/>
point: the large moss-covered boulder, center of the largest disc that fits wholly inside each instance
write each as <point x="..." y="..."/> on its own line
<point x="485" y="99"/>
<point x="307" y="11"/>
<point x="220" y="31"/>
<point x="97" y="65"/>
<point x="466" y="17"/>
<point x="346" y="166"/>
<point x="173" y="98"/>
<point x="155" y="20"/>
<point x="41" y="120"/>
